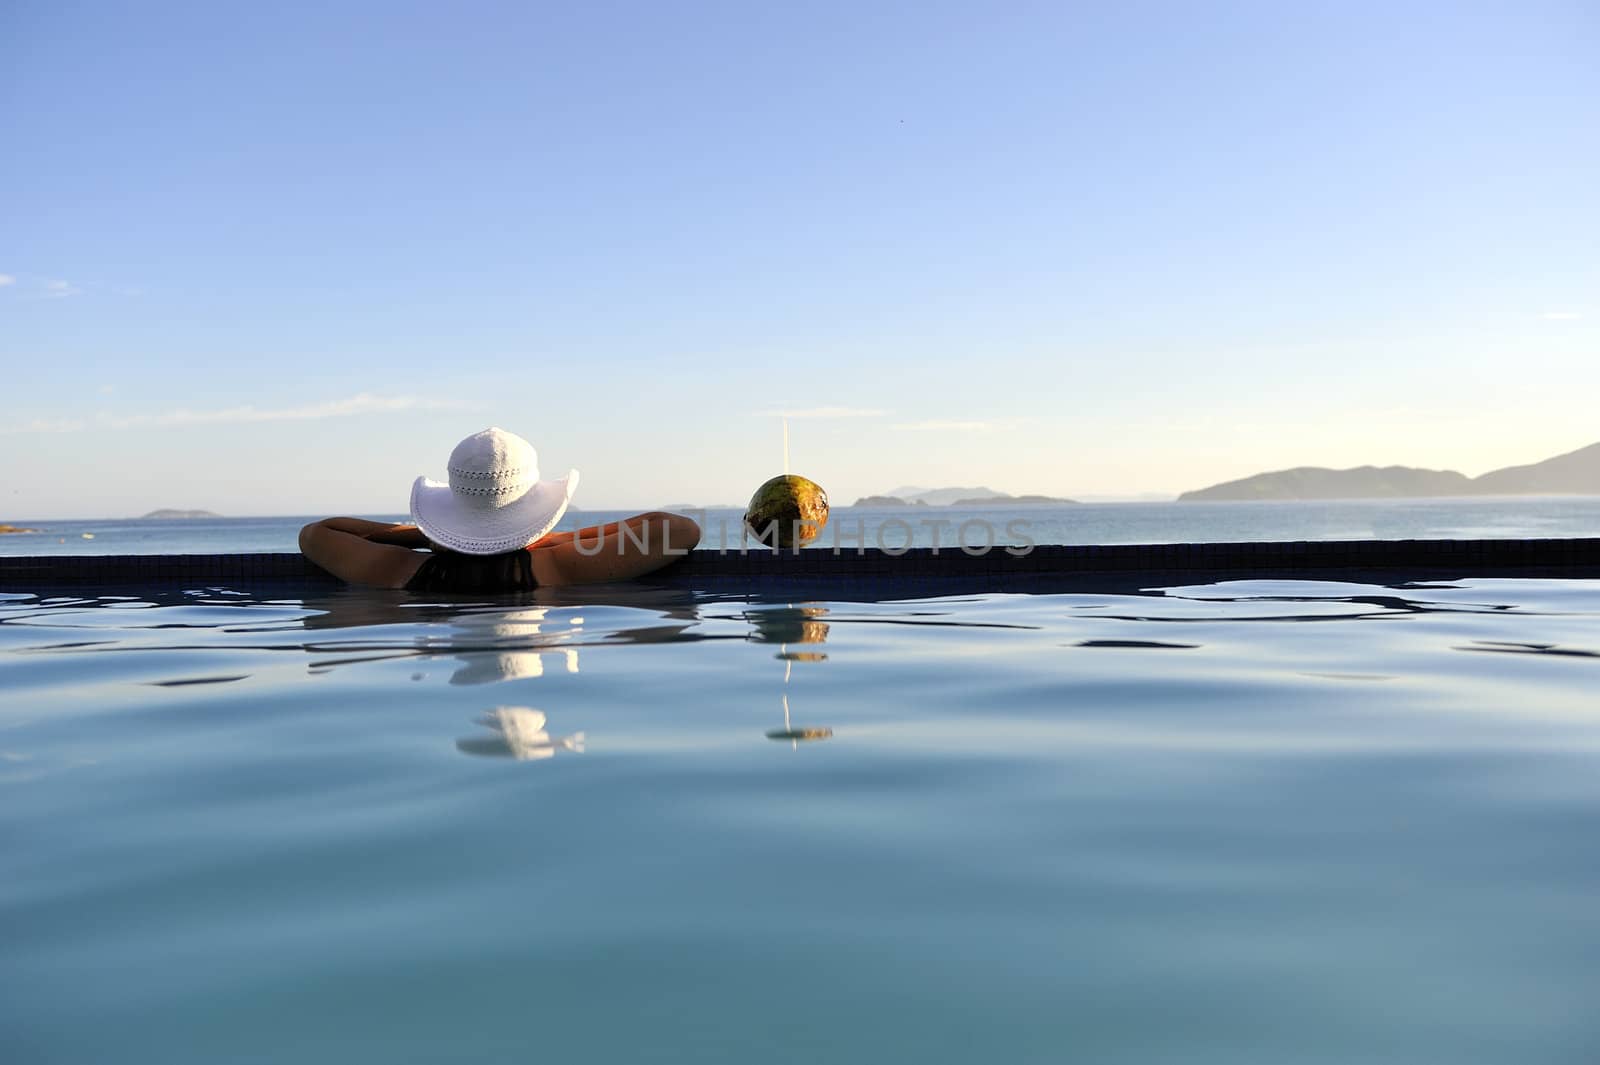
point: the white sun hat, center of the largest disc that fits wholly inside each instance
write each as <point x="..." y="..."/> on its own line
<point x="494" y="500"/>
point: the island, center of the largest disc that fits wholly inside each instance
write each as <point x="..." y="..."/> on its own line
<point x="16" y="529"/>
<point x="1575" y="473"/>
<point x="167" y="514"/>
<point x="886" y="501"/>
<point x="1012" y="501"/>
<point x="938" y="497"/>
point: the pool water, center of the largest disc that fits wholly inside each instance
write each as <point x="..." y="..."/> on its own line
<point x="1274" y="822"/>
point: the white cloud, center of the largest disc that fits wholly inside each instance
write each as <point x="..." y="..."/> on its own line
<point x="361" y="403"/>
<point x="47" y="289"/>
<point x="47" y="425"/>
<point x="826" y="412"/>
<point x="1561" y="316"/>
<point x="942" y="426"/>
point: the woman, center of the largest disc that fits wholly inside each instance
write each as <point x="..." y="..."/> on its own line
<point x="488" y="530"/>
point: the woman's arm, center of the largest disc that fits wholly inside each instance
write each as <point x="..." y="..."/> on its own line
<point x="619" y="551"/>
<point x="337" y="546"/>
<point x="400" y="536"/>
<point x="379" y="532"/>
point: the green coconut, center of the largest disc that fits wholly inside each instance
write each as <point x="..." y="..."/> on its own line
<point x="787" y="511"/>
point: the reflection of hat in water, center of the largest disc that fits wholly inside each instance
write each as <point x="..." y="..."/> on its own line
<point x="505" y="645"/>
<point x="520" y="734"/>
<point x="493" y="501"/>
<point x="486" y="667"/>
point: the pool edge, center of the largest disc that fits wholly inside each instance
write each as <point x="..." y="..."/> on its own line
<point x="997" y="569"/>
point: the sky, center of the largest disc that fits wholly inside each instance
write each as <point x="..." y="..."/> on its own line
<point x="279" y="258"/>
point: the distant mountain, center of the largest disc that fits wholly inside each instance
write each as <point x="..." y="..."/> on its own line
<point x="1575" y="473"/>
<point x="939" y="497"/>
<point x="166" y="512"/>
<point x="1314" y="482"/>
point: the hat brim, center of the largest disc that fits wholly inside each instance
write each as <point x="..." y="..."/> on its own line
<point x="442" y="517"/>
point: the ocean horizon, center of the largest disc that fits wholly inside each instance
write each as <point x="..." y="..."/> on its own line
<point x="893" y="528"/>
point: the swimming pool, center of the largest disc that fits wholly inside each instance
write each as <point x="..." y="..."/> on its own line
<point x="1251" y="821"/>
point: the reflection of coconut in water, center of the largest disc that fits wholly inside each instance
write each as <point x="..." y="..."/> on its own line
<point x="519" y="733"/>
<point x="787" y="511"/>
<point x="795" y="735"/>
<point x="784" y="626"/>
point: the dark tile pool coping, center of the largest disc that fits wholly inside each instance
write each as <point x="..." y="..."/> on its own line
<point x="920" y="568"/>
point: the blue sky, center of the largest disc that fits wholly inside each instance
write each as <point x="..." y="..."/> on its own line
<point x="279" y="258"/>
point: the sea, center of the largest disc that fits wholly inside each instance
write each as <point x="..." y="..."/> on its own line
<point x="1253" y="822"/>
<point x="893" y="528"/>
